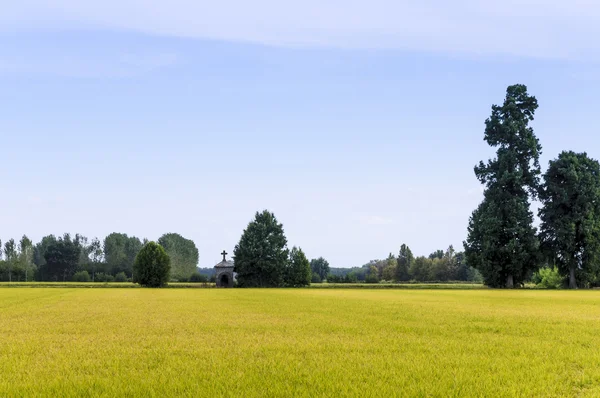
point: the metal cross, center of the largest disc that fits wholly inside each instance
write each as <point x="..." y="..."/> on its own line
<point x="224" y="254"/>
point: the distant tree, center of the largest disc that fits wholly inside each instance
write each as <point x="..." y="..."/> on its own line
<point x="261" y="255"/>
<point x="81" y="276"/>
<point x="405" y="261"/>
<point x="316" y="278"/>
<point x="373" y="275"/>
<point x="570" y="214"/>
<point x="183" y="254"/>
<point x="10" y="254"/>
<point x="320" y="266"/>
<point x="502" y="242"/>
<point x="120" y="252"/>
<point x="390" y="269"/>
<point x="197" y="277"/>
<point x="298" y="272"/>
<point x="62" y="258"/>
<point x="26" y="257"/>
<point x="421" y="268"/>
<point x="152" y="265"/>
<point x="437" y="254"/>
<point x="96" y="255"/>
<point x="462" y="269"/>
<point x="121" y="277"/>
<point x="39" y="251"/>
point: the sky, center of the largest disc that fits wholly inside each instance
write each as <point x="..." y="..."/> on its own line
<point x="358" y="123"/>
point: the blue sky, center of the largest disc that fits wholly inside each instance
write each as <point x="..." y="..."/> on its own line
<point x="357" y="123"/>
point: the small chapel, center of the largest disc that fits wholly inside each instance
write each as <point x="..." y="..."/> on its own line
<point x="224" y="272"/>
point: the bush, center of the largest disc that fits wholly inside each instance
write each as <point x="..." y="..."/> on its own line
<point x="101" y="277"/>
<point x="197" y="277"/>
<point x="549" y="278"/>
<point x="152" y="265"/>
<point x="121" y="277"/>
<point x="81" y="276"/>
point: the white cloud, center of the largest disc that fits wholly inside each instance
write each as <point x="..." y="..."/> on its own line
<point x="539" y="28"/>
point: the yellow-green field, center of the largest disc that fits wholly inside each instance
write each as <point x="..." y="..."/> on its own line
<point x="307" y="342"/>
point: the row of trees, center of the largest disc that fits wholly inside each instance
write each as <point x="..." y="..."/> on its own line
<point x="502" y="242"/>
<point x="262" y="259"/>
<point x="439" y="266"/>
<point x="70" y="257"/>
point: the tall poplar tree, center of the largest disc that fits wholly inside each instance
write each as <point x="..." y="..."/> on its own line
<point x="502" y="242"/>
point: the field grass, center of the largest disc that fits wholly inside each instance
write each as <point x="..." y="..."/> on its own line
<point x="306" y="342"/>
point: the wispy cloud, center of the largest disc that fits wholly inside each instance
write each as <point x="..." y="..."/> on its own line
<point x="538" y="28"/>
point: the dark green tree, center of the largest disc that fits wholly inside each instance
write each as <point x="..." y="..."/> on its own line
<point x="120" y="252"/>
<point x="261" y="255"/>
<point x="320" y="266"/>
<point x="570" y="214"/>
<point x="183" y="254"/>
<point x="439" y="254"/>
<point x="62" y="259"/>
<point x="152" y="265"/>
<point x="11" y="257"/>
<point x="502" y="242"/>
<point x="405" y="261"/>
<point x="298" y="272"/>
<point x="316" y="278"/>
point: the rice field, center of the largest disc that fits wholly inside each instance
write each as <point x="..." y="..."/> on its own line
<point x="306" y="342"/>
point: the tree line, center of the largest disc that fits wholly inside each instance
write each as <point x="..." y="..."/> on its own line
<point x="262" y="259"/>
<point x="440" y="266"/>
<point x="75" y="257"/>
<point x="503" y="243"/>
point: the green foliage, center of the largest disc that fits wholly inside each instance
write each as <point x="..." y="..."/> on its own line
<point x="548" y="278"/>
<point x="298" y="272"/>
<point x="261" y="255"/>
<point x="316" y="278"/>
<point x="405" y="261"/>
<point x="120" y="252"/>
<point x="438" y="254"/>
<point x="102" y="277"/>
<point x="40" y="248"/>
<point x="320" y="266"/>
<point x="349" y="278"/>
<point x="502" y="242"/>
<point x="61" y="259"/>
<point x="390" y="269"/>
<point x="121" y="277"/>
<point x="152" y="265"/>
<point x="183" y="254"/>
<point x="570" y="215"/>
<point x="373" y="275"/>
<point x="197" y="277"/>
<point x="81" y="276"/>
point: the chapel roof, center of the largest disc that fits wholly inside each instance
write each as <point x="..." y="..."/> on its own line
<point x="225" y="264"/>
